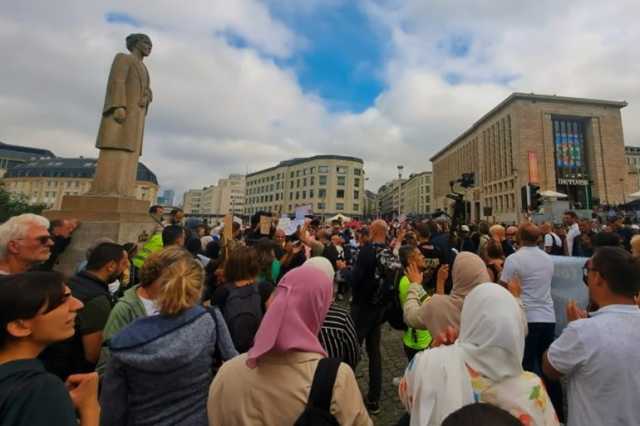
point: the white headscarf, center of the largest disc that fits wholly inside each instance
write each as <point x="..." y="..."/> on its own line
<point x="323" y="264"/>
<point x="491" y="342"/>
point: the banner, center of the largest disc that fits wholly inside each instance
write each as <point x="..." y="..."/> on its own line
<point x="567" y="284"/>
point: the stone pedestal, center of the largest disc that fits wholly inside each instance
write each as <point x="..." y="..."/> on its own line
<point x="121" y="219"/>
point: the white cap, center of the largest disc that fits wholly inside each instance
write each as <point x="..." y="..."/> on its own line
<point x="464" y="228"/>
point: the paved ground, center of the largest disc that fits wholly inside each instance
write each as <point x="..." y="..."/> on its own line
<point x="394" y="362"/>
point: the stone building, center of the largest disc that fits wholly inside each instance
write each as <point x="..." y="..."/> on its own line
<point x="632" y="155"/>
<point x="416" y="194"/>
<point x="217" y="200"/>
<point x="47" y="180"/>
<point x="570" y="145"/>
<point x="12" y="155"/>
<point x="331" y="184"/>
<point x="390" y="198"/>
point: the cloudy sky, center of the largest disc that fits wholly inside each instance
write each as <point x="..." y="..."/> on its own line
<point x="240" y="85"/>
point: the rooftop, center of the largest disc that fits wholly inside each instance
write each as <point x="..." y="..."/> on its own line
<point x="69" y="168"/>
<point x="296" y="161"/>
<point x="529" y="97"/>
<point x="23" y="152"/>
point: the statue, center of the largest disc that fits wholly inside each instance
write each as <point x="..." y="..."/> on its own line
<point x="122" y="125"/>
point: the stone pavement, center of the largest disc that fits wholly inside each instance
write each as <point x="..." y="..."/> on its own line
<point x="394" y="362"/>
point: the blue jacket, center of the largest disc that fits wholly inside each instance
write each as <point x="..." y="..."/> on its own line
<point x="161" y="369"/>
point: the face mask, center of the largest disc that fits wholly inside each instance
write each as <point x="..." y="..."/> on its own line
<point x="114" y="286"/>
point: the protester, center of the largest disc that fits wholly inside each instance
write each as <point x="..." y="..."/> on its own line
<point x="441" y="311"/>
<point x="494" y="259"/>
<point x="268" y="265"/>
<point x="552" y="243"/>
<point x="483" y="237"/>
<point x="465" y="239"/>
<point x="161" y="365"/>
<point x="570" y="219"/>
<point x="91" y="286"/>
<point x="598" y="353"/>
<point x="335" y="252"/>
<point x="483" y="365"/>
<point x="173" y="235"/>
<point x="270" y="384"/>
<point x="535" y="268"/>
<point x="139" y="301"/>
<point x="414" y="340"/>
<point x="338" y="333"/>
<point x="36" y="310"/>
<point x="242" y="300"/>
<point x="60" y="231"/>
<point x="367" y="309"/>
<point x="24" y="243"/>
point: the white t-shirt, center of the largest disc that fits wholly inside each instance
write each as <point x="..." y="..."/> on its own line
<point x="534" y="267"/>
<point x="548" y="240"/>
<point x="600" y="357"/>
<point x="573" y="232"/>
<point x="149" y="306"/>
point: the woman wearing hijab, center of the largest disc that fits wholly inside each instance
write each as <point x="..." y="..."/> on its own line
<point x="483" y="365"/>
<point x="440" y="311"/>
<point x="270" y="384"/>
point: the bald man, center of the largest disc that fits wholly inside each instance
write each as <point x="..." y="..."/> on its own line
<point x="534" y="268"/>
<point x="367" y="311"/>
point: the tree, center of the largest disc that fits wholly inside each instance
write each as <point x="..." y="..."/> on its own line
<point x="13" y="205"/>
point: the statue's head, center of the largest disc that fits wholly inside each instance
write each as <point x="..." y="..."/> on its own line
<point x="139" y="41"/>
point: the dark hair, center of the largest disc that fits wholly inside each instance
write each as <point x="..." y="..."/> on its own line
<point x="23" y="295"/>
<point x="404" y="253"/>
<point x="571" y="213"/>
<point x="130" y="248"/>
<point x="620" y="270"/>
<point x="212" y="251"/>
<point x="481" y="414"/>
<point x="423" y="231"/>
<point x="483" y="228"/>
<point x="494" y="250"/>
<point x="241" y="264"/>
<point x="56" y="223"/>
<point x="265" y="250"/>
<point x="133" y="39"/>
<point x="171" y="233"/>
<point x="193" y="246"/>
<point x="154" y="209"/>
<point x="176" y="211"/>
<point x="103" y="254"/>
<point x="606" y="239"/>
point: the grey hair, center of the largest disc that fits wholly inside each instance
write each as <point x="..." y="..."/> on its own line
<point x="17" y="227"/>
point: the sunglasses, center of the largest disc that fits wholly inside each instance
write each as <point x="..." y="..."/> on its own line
<point x="43" y="240"/>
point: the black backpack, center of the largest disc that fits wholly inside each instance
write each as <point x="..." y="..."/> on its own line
<point x="556" y="250"/>
<point x="243" y="313"/>
<point x="394" y="314"/>
<point x="318" y="409"/>
<point x="384" y="277"/>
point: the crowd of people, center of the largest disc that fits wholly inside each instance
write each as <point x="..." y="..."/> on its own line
<point x="198" y="325"/>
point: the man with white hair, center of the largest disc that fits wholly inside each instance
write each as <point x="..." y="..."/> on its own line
<point x="24" y="243"/>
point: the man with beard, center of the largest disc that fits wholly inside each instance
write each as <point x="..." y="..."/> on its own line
<point x="80" y="353"/>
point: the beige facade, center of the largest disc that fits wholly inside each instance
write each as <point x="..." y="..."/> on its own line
<point x="390" y="198"/>
<point x="371" y="204"/>
<point x="331" y="184"/>
<point x="523" y="136"/>
<point x="217" y="200"/>
<point x="416" y="194"/>
<point x="632" y="155"/>
<point x="46" y="181"/>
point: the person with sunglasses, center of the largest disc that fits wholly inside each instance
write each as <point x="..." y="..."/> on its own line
<point x="597" y="353"/>
<point x="24" y="243"/>
<point x="36" y="310"/>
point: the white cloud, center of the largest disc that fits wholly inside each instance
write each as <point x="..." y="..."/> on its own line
<point x="220" y="109"/>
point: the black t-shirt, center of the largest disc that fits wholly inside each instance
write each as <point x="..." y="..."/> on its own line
<point x="265" y="288"/>
<point x="29" y="396"/>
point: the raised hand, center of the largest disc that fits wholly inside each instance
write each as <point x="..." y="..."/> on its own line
<point x="414" y="274"/>
<point x="447" y="337"/>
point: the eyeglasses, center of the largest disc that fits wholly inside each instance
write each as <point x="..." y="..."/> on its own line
<point x="43" y="240"/>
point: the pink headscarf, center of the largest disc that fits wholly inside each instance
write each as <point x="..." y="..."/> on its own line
<point x="296" y="313"/>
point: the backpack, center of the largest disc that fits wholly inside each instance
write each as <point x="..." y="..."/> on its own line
<point x="243" y="313"/>
<point x="384" y="277"/>
<point x="556" y="250"/>
<point x="394" y="314"/>
<point x="318" y="409"/>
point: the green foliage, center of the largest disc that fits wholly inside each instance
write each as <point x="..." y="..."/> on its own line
<point x="13" y="205"/>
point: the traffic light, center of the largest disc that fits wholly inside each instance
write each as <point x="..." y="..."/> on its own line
<point x="535" y="197"/>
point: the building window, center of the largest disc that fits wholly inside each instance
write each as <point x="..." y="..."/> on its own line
<point x="340" y="193"/>
<point x="321" y="206"/>
<point x="356" y="207"/>
<point x="304" y="181"/>
<point x="312" y="170"/>
<point x="357" y="172"/>
<point x="298" y="183"/>
<point x="356" y="195"/>
<point x="341" y="170"/>
<point x="291" y="195"/>
<point x="291" y="184"/>
<point x="342" y="180"/>
<point x="356" y="182"/>
<point x="323" y="169"/>
<point x="297" y="173"/>
<point x="339" y="206"/>
<point x="297" y="195"/>
<point x="311" y="193"/>
<point x="322" y="180"/>
<point x="322" y="193"/>
<point x="312" y="180"/>
<point x="304" y="172"/>
<point x="304" y="194"/>
<point x="292" y="174"/>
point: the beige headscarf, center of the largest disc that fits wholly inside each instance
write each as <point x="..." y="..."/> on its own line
<point x="441" y="311"/>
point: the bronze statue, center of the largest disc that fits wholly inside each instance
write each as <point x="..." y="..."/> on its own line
<point x="122" y="125"/>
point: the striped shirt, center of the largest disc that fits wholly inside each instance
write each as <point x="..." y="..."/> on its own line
<point x="338" y="336"/>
